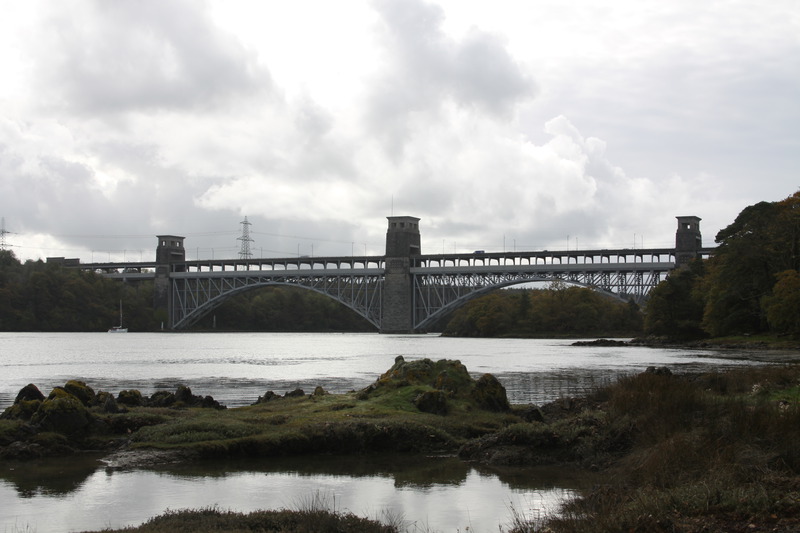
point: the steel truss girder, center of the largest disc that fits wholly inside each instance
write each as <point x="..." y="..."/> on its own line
<point x="193" y="297"/>
<point x="435" y="295"/>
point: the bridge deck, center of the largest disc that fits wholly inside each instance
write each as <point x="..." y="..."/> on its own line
<point x="145" y="270"/>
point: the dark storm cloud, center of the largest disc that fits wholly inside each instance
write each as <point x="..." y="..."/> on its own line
<point x="106" y="57"/>
<point x="424" y="68"/>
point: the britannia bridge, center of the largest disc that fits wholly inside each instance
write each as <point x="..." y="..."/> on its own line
<point x="403" y="291"/>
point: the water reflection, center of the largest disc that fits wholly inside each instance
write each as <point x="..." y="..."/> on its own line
<point x="52" y="476"/>
<point x="431" y="493"/>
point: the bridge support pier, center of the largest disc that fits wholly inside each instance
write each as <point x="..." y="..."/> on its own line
<point x="170" y="250"/>
<point x="688" y="240"/>
<point x="402" y="245"/>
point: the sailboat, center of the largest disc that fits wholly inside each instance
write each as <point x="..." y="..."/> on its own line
<point x="119" y="329"/>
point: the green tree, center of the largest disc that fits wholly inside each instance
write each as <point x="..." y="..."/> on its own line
<point x="675" y="306"/>
<point x="783" y="306"/>
<point x="762" y="241"/>
<point x="557" y="311"/>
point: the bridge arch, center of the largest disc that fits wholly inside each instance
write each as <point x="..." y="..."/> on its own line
<point x="193" y="298"/>
<point x="204" y="309"/>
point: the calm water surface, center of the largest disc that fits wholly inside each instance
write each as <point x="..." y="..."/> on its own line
<point x="437" y="494"/>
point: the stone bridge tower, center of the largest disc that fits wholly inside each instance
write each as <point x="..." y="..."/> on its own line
<point x="402" y="245"/>
<point x="170" y="250"/>
<point x="688" y="240"/>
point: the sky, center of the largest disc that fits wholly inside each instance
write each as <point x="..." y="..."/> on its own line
<point x="508" y="125"/>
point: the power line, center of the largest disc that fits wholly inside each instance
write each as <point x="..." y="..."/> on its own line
<point x="3" y="234"/>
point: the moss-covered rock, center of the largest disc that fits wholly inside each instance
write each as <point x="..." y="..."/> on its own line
<point x="432" y="401"/>
<point x="22" y="410"/>
<point x="131" y="398"/>
<point x="489" y="394"/>
<point x="448" y="379"/>
<point x="161" y="398"/>
<point x="183" y="394"/>
<point x="81" y="391"/>
<point x="106" y="402"/>
<point x="447" y="375"/>
<point x="29" y="392"/>
<point x="63" y="413"/>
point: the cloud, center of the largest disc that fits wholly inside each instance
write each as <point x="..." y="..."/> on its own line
<point x="535" y="124"/>
<point x="424" y="68"/>
<point x="100" y="57"/>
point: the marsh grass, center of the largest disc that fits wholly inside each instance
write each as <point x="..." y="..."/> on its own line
<point x="385" y="421"/>
<point x="213" y="519"/>
<point x="709" y="453"/>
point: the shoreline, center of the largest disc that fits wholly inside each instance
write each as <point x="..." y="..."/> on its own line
<point x="654" y="425"/>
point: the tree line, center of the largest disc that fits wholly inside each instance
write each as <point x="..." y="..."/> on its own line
<point x="750" y="285"/>
<point x="41" y="296"/>
<point x="559" y="310"/>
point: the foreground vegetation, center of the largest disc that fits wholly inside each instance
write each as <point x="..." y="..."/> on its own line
<point x="710" y="452"/>
<point x="419" y="406"/>
<point x="311" y="520"/>
<point x="715" y="452"/>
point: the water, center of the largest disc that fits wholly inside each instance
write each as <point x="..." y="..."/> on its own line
<point x="237" y="368"/>
<point x="434" y="494"/>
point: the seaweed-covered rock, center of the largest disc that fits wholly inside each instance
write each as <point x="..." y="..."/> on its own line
<point x="210" y="403"/>
<point x="268" y="396"/>
<point x="21" y="410"/>
<point x="81" y="391"/>
<point x="131" y="398"/>
<point x="161" y="398"/>
<point x="21" y="451"/>
<point x="29" y="392"/>
<point x="62" y="412"/>
<point x="600" y="342"/>
<point x="448" y="379"/>
<point x="296" y="393"/>
<point x="106" y="401"/>
<point x="658" y="370"/>
<point x="445" y="374"/>
<point x="432" y="401"/>
<point x="490" y="394"/>
<point x="184" y="395"/>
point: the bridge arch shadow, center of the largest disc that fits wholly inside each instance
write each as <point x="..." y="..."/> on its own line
<point x="453" y="297"/>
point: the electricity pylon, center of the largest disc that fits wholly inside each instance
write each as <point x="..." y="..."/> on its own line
<point x="244" y="251"/>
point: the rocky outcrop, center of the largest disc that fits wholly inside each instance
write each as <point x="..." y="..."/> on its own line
<point x="74" y="417"/>
<point x="182" y="397"/>
<point x="62" y="412"/>
<point x="432" y="401"/>
<point x="600" y="342"/>
<point x="29" y="392"/>
<point x="490" y="394"/>
<point x="445" y="380"/>
<point x="296" y="393"/>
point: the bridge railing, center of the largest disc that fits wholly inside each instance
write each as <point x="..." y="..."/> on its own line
<point x="284" y="264"/>
<point x="546" y="257"/>
<point x="478" y="258"/>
